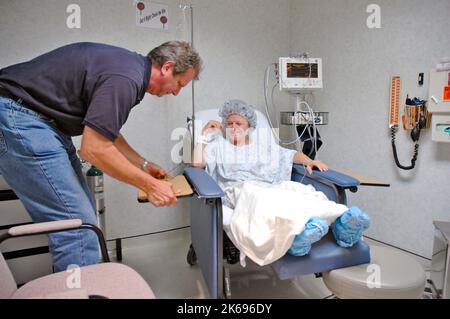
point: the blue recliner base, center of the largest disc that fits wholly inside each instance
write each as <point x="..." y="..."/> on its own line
<point x="325" y="255"/>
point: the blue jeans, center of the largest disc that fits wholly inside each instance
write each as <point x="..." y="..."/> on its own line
<point x="40" y="164"/>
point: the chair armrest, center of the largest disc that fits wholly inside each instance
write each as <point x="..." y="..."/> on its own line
<point x="334" y="177"/>
<point x="203" y="184"/>
<point x="46" y="227"/>
<point x="54" y="227"/>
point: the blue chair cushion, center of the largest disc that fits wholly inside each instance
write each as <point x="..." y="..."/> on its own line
<point x="325" y="255"/>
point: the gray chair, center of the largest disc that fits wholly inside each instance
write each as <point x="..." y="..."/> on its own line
<point x="106" y="280"/>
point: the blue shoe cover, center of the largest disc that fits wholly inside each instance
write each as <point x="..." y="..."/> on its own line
<point x="314" y="230"/>
<point x="348" y="228"/>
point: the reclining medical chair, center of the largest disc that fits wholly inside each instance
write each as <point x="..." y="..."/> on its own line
<point x="207" y="231"/>
<point x="107" y="280"/>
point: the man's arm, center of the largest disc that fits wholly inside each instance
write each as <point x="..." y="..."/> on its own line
<point x="137" y="160"/>
<point x="125" y="148"/>
<point x="101" y="152"/>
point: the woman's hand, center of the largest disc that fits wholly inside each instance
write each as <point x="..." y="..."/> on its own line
<point x="211" y="126"/>
<point x="321" y="166"/>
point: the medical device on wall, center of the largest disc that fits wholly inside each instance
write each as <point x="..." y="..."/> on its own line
<point x="304" y="118"/>
<point x="394" y="102"/>
<point x="439" y="104"/>
<point x="296" y="74"/>
<point x="415" y="117"/>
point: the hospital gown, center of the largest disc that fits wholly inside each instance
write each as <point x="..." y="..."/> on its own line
<point x="262" y="161"/>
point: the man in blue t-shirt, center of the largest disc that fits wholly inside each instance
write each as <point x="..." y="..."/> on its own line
<point x="83" y="89"/>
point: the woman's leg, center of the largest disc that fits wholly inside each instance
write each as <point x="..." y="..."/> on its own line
<point x="348" y="228"/>
<point x="314" y="230"/>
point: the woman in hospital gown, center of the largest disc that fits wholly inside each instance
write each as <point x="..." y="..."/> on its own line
<point x="250" y="154"/>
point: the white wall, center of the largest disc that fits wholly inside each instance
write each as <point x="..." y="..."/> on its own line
<point x="236" y="40"/>
<point x="358" y="63"/>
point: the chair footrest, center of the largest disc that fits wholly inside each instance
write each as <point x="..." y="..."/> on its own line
<point x="325" y="255"/>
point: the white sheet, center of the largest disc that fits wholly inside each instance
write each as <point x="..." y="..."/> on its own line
<point x="267" y="217"/>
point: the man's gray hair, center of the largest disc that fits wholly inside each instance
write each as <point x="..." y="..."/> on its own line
<point x="240" y="108"/>
<point x="181" y="53"/>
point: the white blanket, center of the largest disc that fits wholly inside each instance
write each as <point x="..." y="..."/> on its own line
<point x="267" y="217"/>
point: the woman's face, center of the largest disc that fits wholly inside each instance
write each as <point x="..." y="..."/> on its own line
<point x="237" y="129"/>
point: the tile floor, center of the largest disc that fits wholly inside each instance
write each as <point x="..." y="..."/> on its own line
<point x="161" y="260"/>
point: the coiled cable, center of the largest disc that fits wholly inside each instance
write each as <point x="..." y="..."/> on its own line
<point x="394" y="149"/>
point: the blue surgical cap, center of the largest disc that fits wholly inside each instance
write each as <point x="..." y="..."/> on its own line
<point x="240" y="108"/>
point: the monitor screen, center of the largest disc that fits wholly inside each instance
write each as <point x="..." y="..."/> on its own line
<point x="302" y="70"/>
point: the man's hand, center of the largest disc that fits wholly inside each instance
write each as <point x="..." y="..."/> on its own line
<point x="157" y="171"/>
<point x="321" y="166"/>
<point x="161" y="193"/>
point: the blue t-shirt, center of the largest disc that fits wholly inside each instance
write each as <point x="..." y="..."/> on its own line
<point x="81" y="84"/>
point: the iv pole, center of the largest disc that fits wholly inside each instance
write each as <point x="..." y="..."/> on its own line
<point x="193" y="86"/>
<point x="191" y="7"/>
